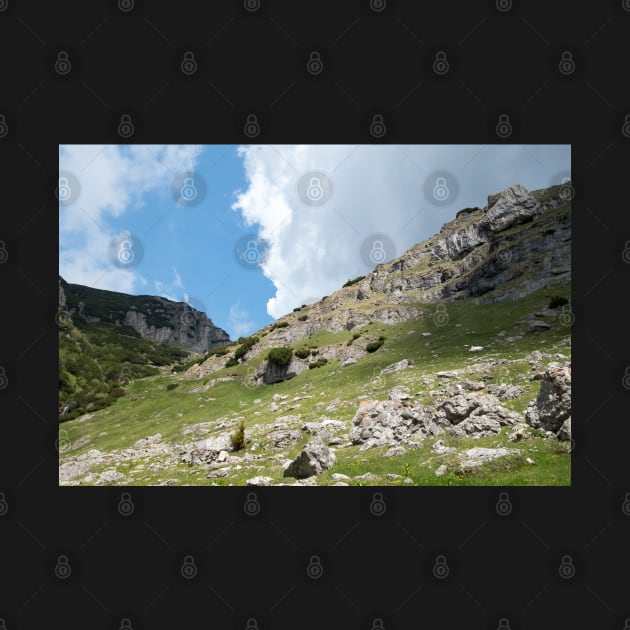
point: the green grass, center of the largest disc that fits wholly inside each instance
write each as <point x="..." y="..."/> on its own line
<point x="148" y="407"/>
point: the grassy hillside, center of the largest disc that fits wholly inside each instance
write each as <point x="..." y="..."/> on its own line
<point x="97" y="360"/>
<point x="183" y="410"/>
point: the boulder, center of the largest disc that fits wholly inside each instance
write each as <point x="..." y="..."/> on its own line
<point x="552" y="405"/>
<point x="512" y="206"/>
<point x="314" y="459"/>
<point x="564" y="433"/>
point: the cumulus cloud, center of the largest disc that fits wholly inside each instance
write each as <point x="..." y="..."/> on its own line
<point x="377" y="193"/>
<point x="112" y="180"/>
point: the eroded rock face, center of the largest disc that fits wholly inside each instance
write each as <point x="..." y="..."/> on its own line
<point x="512" y="206"/>
<point x="270" y="372"/>
<point x="314" y="458"/>
<point x="553" y="402"/>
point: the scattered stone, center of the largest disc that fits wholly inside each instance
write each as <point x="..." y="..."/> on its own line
<point x="408" y="481"/>
<point x="529" y="460"/>
<point x="365" y="476"/>
<point x="109" y="476"/>
<point x="223" y="455"/>
<point x="397" y="367"/>
<point x="399" y="393"/>
<point x="273" y="407"/>
<point x="441" y="470"/>
<point x="314" y="458"/>
<point x="537" y="326"/>
<point x="347" y="362"/>
<point x="392" y="476"/>
<point x="484" y="455"/>
<point x="391" y="422"/>
<point x="259" y="481"/>
<point x="394" y="451"/>
<point x="472" y="386"/>
<point x="440" y="448"/>
<point x="221" y="472"/>
<point x="521" y="431"/>
<point x="475" y="348"/>
<point x="341" y="483"/>
<point x="340" y="477"/>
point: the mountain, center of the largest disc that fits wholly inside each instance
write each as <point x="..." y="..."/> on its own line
<point x="107" y="339"/>
<point x="152" y="317"/>
<point x="449" y="365"/>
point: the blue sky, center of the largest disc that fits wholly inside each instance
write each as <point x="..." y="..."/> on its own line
<point x="247" y="233"/>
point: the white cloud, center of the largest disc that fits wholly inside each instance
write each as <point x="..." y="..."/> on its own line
<point x="375" y="189"/>
<point x="112" y="179"/>
<point x="240" y="321"/>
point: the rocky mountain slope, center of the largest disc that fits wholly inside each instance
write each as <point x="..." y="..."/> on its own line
<point x="154" y="318"/>
<point x="447" y="366"/>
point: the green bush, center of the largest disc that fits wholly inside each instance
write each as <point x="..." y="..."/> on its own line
<point x="280" y="356"/>
<point x="317" y="363"/>
<point x="557" y="300"/>
<point x="302" y="318"/>
<point x="381" y="338"/>
<point x="245" y="347"/>
<point x="117" y="392"/>
<point x="373" y="346"/>
<point x="171" y="386"/>
<point x="302" y="353"/>
<point x="237" y="437"/>
<point x="297" y="308"/>
<point x="464" y="211"/>
<point x="231" y="362"/>
<point x="353" y="281"/>
<point x="281" y="324"/>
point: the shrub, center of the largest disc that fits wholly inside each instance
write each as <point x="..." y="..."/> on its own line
<point x="297" y="308"/>
<point x="117" y="392"/>
<point x="466" y="211"/>
<point x="171" y="386"/>
<point x="245" y="347"/>
<point x="302" y="353"/>
<point x="373" y="346"/>
<point x="280" y="356"/>
<point x="317" y="363"/>
<point x="237" y="437"/>
<point x="221" y="351"/>
<point x="302" y="318"/>
<point x="557" y="300"/>
<point x="356" y="336"/>
<point x="381" y="338"/>
<point x="353" y="281"/>
<point x="231" y="362"/>
<point x="281" y="324"/>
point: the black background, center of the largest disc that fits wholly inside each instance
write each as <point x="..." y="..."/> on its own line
<point x="128" y="567"/>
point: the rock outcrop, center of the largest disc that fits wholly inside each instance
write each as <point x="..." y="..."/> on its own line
<point x="152" y="317"/>
<point x="552" y="406"/>
<point x="314" y="458"/>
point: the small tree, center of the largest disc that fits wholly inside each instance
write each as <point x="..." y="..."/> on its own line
<point x="237" y="437"/>
<point x="280" y="356"/>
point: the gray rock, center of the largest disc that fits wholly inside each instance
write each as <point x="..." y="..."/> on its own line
<point x="564" y="433"/>
<point x="348" y="362"/>
<point x="340" y="477"/>
<point x="483" y="455"/>
<point x="553" y="402"/>
<point x="399" y="393"/>
<point x="397" y="367"/>
<point x="440" y="448"/>
<point x="314" y="458"/>
<point x="512" y="206"/>
<point x="537" y="326"/>
<point x="259" y="481"/>
<point x="394" y="451"/>
<point x="441" y="470"/>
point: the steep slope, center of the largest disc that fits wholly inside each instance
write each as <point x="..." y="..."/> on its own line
<point x="447" y="366"/>
<point x="518" y="243"/>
